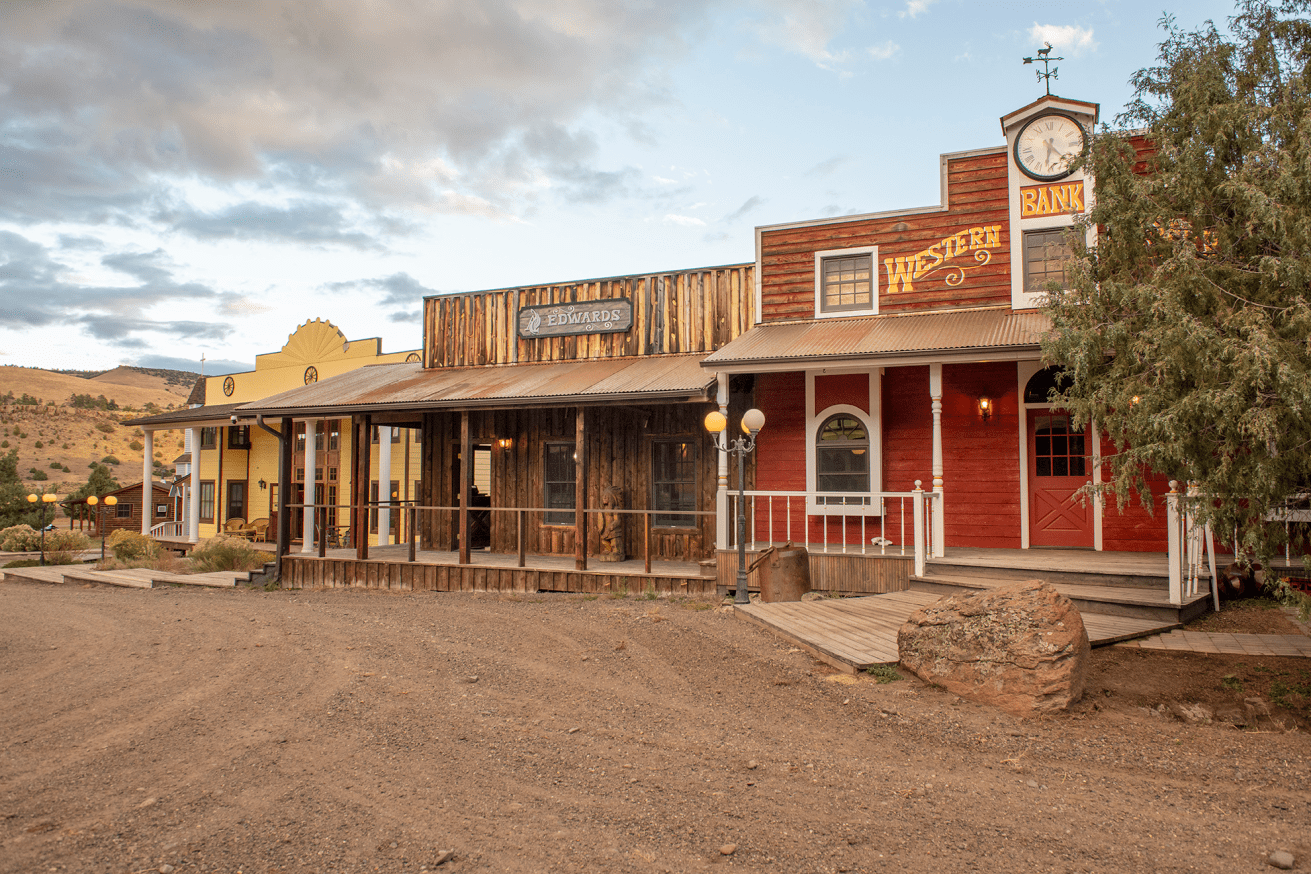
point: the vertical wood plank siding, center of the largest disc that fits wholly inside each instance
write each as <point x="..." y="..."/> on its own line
<point x="690" y="311"/>
<point x="976" y="196"/>
<point x="832" y="573"/>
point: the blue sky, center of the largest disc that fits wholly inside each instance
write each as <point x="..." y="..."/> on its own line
<point x="181" y="179"/>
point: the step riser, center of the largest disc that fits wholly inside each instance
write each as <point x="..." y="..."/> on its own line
<point x="1075" y="577"/>
<point x="1185" y="613"/>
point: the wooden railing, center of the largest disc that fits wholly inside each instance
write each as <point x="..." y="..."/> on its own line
<point x="1191" y="546"/>
<point x="169" y="530"/>
<point x="806" y="519"/>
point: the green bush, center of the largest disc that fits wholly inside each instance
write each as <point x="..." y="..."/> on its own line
<point x="39" y="445"/>
<point x="105" y="427"/>
<point x="20" y="538"/>
<point x="136" y="446"/>
<point x="128" y="545"/>
<point x="109" y="459"/>
<point x="226" y="554"/>
<point x="54" y="465"/>
<point x="39" y="474"/>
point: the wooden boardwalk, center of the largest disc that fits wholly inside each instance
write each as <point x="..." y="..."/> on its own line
<point x="852" y="634"/>
<point x="133" y="578"/>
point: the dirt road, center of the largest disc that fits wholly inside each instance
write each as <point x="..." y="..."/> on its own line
<point x="182" y="730"/>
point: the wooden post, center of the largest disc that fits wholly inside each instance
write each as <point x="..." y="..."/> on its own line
<point x="466" y="462"/>
<point x="410" y="529"/>
<point x="580" y="491"/>
<point x="323" y="530"/>
<point x="361" y="489"/>
<point x="646" y="538"/>
<point x="523" y="547"/>
<point x="285" y="461"/>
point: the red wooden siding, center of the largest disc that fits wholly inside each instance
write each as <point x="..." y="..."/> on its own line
<point x="977" y="197"/>
<point x="851" y="389"/>
<point x="781" y="446"/>
<point x="1133" y="529"/>
<point x="981" y="461"/>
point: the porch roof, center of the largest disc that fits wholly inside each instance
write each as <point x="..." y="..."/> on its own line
<point x="408" y="386"/>
<point x="934" y="335"/>
<point x="214" y="413"/>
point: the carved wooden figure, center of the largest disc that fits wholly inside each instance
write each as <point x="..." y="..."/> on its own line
<point x="612" y="525"/>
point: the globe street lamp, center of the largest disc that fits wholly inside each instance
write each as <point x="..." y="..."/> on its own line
<point x="752" y="421"/>
<point x="109" y="501"/>
<point x="46" y="500"/>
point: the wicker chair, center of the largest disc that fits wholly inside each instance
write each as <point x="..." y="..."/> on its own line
<point x="236" y="526"/>
<point x="258" y="529"/>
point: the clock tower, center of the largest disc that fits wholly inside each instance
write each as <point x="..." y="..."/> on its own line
<point x="1045" y="192"/>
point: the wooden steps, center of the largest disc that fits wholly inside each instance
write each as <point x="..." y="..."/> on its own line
<point x="1134" y="602"/>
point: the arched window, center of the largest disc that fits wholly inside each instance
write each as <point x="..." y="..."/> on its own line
<point x="842" y="458"/>
<point x="1040" y="386"/>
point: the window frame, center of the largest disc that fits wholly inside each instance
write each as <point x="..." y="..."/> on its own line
<point x="209" y="437"/>
<point x="674" y="518"/>
<point x="555" y="517"/>
<point x="873" y="421"/>
<point x="123" y="510"/>
<point x="238" y="437"/>
<point x="822" y="310"/>
<point x="1032" y="286"/>
<point x="210" y="486"/>
<point x="821" y="450"/>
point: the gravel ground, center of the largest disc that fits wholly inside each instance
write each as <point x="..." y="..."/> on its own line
<point x="183" y="730"/>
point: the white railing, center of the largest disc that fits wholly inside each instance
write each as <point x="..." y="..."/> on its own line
<point x="169" y="530"/>
<point x="1191" y="546"/>
<point x="871" y="523"/>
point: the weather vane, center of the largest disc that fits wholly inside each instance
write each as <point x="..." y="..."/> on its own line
<point x="1047" y="74"/>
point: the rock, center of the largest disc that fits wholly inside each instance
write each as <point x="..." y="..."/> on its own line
<point x="443" y="856"/>
<point x="728" y="849"/>
<point x="1193" y="714"/>
<point x="1021" y="647"/>
<point x="813" y="596"/>
<point x="1256" y="710"/>
<point x="1282" y="859"/>
<point x="752" y="765"/>
<point x="165" y="869"/>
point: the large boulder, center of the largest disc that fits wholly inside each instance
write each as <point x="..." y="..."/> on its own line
<point x="1022" y="647"/>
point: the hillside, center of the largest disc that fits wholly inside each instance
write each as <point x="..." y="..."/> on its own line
<point x="61" y="441"/>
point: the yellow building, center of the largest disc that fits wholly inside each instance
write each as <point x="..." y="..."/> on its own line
<point x="228" y="476"/>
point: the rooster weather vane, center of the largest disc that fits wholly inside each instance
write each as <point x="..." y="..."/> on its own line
<point x="1048" y="73"/>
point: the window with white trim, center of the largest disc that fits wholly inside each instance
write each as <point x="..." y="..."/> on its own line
<point x="1046" y="255"/>
<point x="842" y="458"/>
<point x="846" y="282"/>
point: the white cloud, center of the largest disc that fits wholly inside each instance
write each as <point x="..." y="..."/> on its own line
<point x="884" y="51"/>
<point x="685" y="220"/>
<point x="915" y="7"/>
<point x="1065" y="38"/>
<point x="806" y="27"/>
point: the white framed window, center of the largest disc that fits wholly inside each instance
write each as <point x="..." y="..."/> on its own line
<point x="844" y="452"/>
<point x="1046" y="255"/>
<point x="847" y="282"/>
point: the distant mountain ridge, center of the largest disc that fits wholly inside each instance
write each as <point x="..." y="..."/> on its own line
<point x="180" y="378"/>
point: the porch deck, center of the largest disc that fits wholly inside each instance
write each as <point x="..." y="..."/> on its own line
<point x="853" y="634"/>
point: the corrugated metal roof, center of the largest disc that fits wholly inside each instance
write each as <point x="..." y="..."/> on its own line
<point x="884" y="336"/>
<point x="407" y="386"/>
<point x="215" y="412"/>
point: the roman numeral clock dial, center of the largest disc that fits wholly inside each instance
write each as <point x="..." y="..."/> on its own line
<point x="1046" y="147"/>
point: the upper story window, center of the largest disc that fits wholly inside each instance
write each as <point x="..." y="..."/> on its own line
<point x="1046" y="254"/>
<point x="239" y="437"/>
<point x="209" y="438"/>
<point x="846" y="282"/>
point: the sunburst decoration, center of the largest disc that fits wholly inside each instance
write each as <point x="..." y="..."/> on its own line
<point x="314" y="341"/>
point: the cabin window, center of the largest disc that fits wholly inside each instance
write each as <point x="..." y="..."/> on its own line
<point x="209" y="438"/>
<point x="673" y="483"/>
<point x="842" y="459"/>
<point x="124" y="511"/>
<point x="1046" y="254"/>
<point x="239" y="437"/>
<point x="558" y="480"/>
<point x="161" y="511"/>
<point x="845" y="282"/>
<point x="207" y="500"/>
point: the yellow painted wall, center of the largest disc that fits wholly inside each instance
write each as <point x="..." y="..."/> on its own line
<point x="316" y="344"/>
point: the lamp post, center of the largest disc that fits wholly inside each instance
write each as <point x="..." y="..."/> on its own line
<point x="46" y="500"/>
<point x="752" y="421"/>
<point x="109" y="501"/>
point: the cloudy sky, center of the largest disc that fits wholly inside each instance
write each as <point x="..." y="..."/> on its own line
<point x="180" y="179"/>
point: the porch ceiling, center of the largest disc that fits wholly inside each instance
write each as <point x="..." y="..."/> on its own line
<point x="408" y="386"/>
<point x="935" y="335"/>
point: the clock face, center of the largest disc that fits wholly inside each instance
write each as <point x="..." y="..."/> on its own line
<point x="1047" y="146"/>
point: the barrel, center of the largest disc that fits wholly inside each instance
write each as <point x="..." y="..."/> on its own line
<point x="784" y="575"/>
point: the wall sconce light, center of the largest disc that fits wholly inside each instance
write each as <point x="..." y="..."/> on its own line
<point x="1134" y="401"/>
<point x="985" y="408"/>
<point x="505" y="443"/>
<point x="263" y="485"/>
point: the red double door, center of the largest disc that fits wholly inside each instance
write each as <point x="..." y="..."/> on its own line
<point x="1060" y="464"/>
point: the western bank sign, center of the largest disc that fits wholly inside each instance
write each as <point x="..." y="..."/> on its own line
<point x="954" y="254"/>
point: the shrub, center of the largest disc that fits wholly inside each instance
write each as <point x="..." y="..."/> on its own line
<point x="39" y="445"/>
<point x="4" y="444"/>
<point x="109" y="459"/>
<point x="39" y="474"/>
<point x="226" y="554"/>
<point x="54" y="465"/>
<point x="65" y="446"/>
<point x="136" y="446"/>
<point x="66" y="541"/>
<point x="106" y="427"/>
<point x="128" y="545"/>
<point x="20" y="538"/>
<point x="24" y="562"/>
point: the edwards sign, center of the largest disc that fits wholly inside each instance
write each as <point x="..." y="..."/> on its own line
<point x="568" y="319"/>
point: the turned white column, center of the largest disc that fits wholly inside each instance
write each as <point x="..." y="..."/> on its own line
<point x="722" y="521"/>
<point x="307" y="535"/>
<point x="193" y="510"/>
<point x="147" y="484"/>
<point x="939" y="511"/>
<point x="384" y="484"/>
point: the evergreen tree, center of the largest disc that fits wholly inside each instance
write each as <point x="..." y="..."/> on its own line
<point x="14" y="506"/>
<point x="100" y="483"/>
<point x="1186" y="334"/>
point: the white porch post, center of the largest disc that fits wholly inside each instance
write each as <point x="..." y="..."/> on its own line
<point x="939" y="510"/>
<point x="1174" y="542"/>
<point x="311" y="433"/>
<point x="147" y="484"/>
<point x="721" y="491"/>
<point x="384" y="484"/>
<point x="193" y="509"/>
